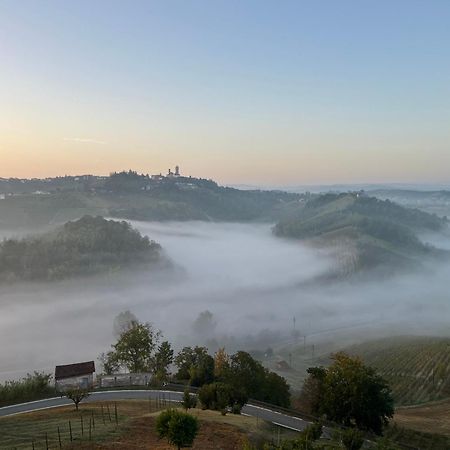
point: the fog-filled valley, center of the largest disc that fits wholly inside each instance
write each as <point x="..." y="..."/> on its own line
<point x="253" y="283"/>
<point x="225" y="225"/>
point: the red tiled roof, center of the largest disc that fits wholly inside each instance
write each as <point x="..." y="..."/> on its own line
<point x="74" y="370"/>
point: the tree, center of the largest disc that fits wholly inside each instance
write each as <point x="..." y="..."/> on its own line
<point x="163" y="359"/>
<point x="246" y="373"/>
<point x="109" y="363"/>
<point x="189" y="401"/>
<point x="310" y="397"/>
<point x="179" y="428"/>
<point x="276" y="390"/>
<point x="204" y="325"/>
<point x="195" y="365"/>
<point x="221" y="363"/>
<point x="134" y="349"/>
<point x="123" y="322"/>
<point x="76" y="395"/>
<point x="352" y="394"/>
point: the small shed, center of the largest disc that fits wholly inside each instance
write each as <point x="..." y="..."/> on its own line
<point x="75" y="375"/>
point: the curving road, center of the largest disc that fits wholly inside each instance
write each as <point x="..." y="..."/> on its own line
<point x="268" y="415"/>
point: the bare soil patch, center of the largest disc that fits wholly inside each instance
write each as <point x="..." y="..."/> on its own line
<point x="430" y="418"/>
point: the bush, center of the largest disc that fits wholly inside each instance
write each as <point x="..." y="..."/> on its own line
<point x="352" y="439"/>
<point x="207" y="396"/>
<point x="313" y="432"/>
<point x="307" y="437"/>
<point x="216" y="396"/>
<point x="32" y="387"/>
<point x="179" y="428"/>
<point x="236" y="408"/>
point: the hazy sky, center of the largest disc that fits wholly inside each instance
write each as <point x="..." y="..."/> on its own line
<point x="268" y="92"/>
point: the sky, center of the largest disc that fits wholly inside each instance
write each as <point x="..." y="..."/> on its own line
<point x="252" y="92"/>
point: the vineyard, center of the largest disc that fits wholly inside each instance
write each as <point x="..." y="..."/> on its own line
<point x="416" y="368"/>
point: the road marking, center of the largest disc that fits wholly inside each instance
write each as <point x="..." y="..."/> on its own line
<point x="34" y="410"/>
<point x="286" y="426"/>
<point x="276" y="412"/>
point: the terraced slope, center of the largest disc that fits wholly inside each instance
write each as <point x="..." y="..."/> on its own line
<point x="417" y="368"/>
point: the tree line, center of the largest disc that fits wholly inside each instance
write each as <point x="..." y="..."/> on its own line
<point x="347" y="392"/>
<point x="224" y="380"/>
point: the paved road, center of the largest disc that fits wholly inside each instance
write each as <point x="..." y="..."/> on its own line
<point x="251" y="410"/>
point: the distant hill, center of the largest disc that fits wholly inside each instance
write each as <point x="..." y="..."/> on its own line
<point x="416" y="368"/>
<point x="129" y="195"/>
<point x="431" y="201"/>
<point x="84" y="247"/>
<point x="366" y="232"/>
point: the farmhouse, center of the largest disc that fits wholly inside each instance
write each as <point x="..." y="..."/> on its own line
<point x="75" y="375"/>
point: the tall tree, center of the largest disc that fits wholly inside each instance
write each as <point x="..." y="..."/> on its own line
<point x="204" y="325"/>
<point x="246" y="373"/>
<point x="195" y="365"/>
<point x="163" y="359"/>
<point x="221" y="363"/>
<point x="123" y="322"/>
<point x="134" y="350"/>
<point x="350" y="393"/>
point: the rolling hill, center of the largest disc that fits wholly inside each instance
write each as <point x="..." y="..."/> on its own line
<point x="129" y="195"/>
<point x="84" y="247"/>
<point x="365" y="232"/>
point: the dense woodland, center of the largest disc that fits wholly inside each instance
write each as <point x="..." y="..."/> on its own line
<point x="86" y="246"/>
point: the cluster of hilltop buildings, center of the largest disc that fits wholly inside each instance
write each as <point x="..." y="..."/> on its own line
<point x="170" y="174"/>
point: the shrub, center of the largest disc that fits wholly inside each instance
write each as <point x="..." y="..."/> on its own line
<point x="313" y="432"/>
<point x="352" y="439"/>
<point x="179" y="428"/>
<point x="189" y="401"/>
<point x="32" y="387"/>
<point x="207" y="396"/>
<point x="236" y="408"/>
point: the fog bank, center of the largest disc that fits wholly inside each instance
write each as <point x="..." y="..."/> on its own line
<point x="250" y="280"/>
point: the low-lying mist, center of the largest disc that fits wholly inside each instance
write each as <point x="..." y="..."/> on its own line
<point x="253" y="282"/>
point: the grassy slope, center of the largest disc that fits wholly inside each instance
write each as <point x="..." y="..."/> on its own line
<point x="135" y="428"/>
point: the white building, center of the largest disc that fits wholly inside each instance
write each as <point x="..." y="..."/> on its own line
<point x="75" y="375"/>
